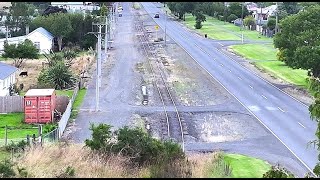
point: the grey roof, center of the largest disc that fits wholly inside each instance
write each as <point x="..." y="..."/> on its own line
<point x="43" y="31"/>
<point x="6" y="70"/>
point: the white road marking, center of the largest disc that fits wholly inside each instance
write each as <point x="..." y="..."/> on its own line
<point x="239" y="77"/>
<point x="229" y="70"/>
<point x="280" y="109"/>
<point x="310" y="170"/>
<point x="221" y="64"/>
<point x="220" y="43"/>
<point x="250" y="86"/>
<point x="264" y="96"/>
<point x="301" y="125"/>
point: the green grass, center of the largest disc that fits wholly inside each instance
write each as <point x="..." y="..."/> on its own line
<point x="220" y="30"/>
<point x="68" y="93"/>
<point x="15" y="120"/>
<point x="77" y="103"/>
<point x="4" y="154"/>
<point x="246" y="167"/>
<point x="266" y="54"/>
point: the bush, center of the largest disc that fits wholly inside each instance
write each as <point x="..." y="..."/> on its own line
<point x="49" y="127"/>
<point x="135" y="143"/>
<point x="220" y="17"/>
<point x="6" y="170"/>
<point x="278" y="172"/>
<point x="198" y="25"/>
<point x="231" y="18"/>
<point x="16" y="147"/>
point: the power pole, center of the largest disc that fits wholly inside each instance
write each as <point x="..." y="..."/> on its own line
<point x="98" y="79"/>
<point x="242" y="23"/>
<point x="165" y="30"/>
<point x="276" y="18"/>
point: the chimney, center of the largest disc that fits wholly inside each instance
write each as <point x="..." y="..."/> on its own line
<point x="27" y="29"/>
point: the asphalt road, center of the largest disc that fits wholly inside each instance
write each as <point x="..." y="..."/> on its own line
<point x="287" y="118"/>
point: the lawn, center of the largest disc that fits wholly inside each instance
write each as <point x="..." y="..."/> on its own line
<point x="246" y="167"/>
<point x="265" y="56"/>
<point x="220" y="30"/>
<point x="15" y="120"/>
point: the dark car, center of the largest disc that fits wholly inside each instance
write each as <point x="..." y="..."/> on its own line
<point x="156" y="15"/>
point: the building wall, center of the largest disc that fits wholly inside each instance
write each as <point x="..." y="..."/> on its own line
<point x="37" y="38"/>
<point x="5" y="84"/>
<point x="40" y="40"/>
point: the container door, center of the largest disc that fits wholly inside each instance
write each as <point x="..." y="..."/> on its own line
<point x="31" y="109"/>
<point x="44" y="109"/>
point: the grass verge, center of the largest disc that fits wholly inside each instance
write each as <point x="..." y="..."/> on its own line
<point x="265" y="56"/>
<point x="246" y="167"/>
<point x="220" y="30"/>
<point x="77" y="103"/>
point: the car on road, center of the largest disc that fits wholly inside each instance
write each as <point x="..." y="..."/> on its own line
<point x="156" y="15"/>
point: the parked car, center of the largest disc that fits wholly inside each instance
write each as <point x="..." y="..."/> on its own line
<point x="156" y="15"/>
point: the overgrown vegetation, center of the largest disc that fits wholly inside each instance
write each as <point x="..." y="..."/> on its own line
<point x="21" y="51"/>
<point x="278" y="172"/>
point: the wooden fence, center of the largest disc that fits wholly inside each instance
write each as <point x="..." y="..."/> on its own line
<point x="9" y="104"/>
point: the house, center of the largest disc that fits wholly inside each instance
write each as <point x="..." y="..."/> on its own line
<point x="262" y="15"/>
<point x="40" y="37"/>
<point x="76" y="6"/>
<point x="7" y="78"/>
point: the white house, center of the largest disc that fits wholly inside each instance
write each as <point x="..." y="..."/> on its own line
<point x="40" y="37"/>
<point x="7" y="78"/>
<point x="76" y="6"/>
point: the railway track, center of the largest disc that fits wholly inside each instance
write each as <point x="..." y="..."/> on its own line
<point x="173" y="125"/>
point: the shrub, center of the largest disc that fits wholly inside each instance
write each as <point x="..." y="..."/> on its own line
<point x="20" y="146"/>
<point x="49" y="127"/>
<point x="6" y="170"/>
<point x="198" y="25"/>
<point x="134" y="143"/>
<point x="278" y="172"/>
<point x="231" y="18"/>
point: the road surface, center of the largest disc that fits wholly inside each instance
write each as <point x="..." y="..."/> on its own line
<point x="287" y="118"/>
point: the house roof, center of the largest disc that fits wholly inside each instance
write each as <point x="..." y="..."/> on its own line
<point x="22" y="38"/>
<point x="42" y="31"/>
<point x="39" y="92"/>
<point x="6" y="70"/>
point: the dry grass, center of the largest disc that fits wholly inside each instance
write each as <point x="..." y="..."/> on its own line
<point x="52" y="160"/>
<point x="34" y="66"/>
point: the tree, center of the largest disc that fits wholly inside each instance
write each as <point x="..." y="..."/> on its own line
<point x="60" y="27"/>
<point x="298" y="40"/>
<point x="231" y="18"/>
<point x="20" y="52"/>
<point x="57" y="76"/>
<point x="236" y="9"/>
<point x="250" y="22"/>
<point x="271" y="24"/>
<point x="290" y="7"/>
<point x="18" y="17"/>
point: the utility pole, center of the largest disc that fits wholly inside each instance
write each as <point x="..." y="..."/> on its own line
<point x="165" y="30"/>
<point x="276" y="18"/>
<point x="98" y="78"/>
<point x="242" y="23"/>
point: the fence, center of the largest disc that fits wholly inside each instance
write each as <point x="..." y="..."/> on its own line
<point x="62" y="124"/>
<point x="13" y="134"/>
<point x="9" y="104"/>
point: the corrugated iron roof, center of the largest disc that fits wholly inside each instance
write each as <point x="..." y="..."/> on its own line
<point x="6" y="70"/>
<point x="42" y="31"/>
<point x="39" y="92"/>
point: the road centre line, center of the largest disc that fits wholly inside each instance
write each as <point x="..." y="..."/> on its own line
<point x="229" y="70"/>
<point x="281" y="109"/>
<point x="264" y="96"/>
<point x="250" y="86"/>
<point x="301" y="125"/>
<point x="220" y="44"/>
<point x="239" y="77"/>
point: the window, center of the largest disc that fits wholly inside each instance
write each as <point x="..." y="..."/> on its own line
<point x="37" y="44"/>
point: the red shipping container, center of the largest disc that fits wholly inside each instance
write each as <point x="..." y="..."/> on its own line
<point x="39" y="105"/>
